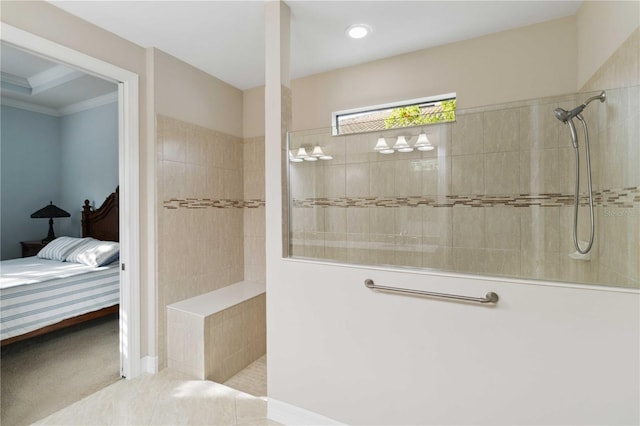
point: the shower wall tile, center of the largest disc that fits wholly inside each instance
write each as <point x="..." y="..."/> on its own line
<point x="408" y="251"/>
<point x="358" y="220"/>
<point x="467" y="174"/>
<point x="173" y="142"/>
<point x="199" y="250"/>
<point x="307" y="180"/>
<point x="336" y="146"/>
<point x="382" y="220"/>
<point x="541" y="265"/>
<point x="359" y="148"/>
<point x="471" y="260"/>
<point x="502" y="228"/>
<point x="577" y="270"/>
<point x="502" y="130"/>
<point x="408" y="177"/>
<point x="437" y="257"/>
<point x="335" y="220"/>
<point x="383" y="249"/>
<point x="436" y="176"/>
<point x="539" y="171"/>
<point x="538" y="127"/>
<point x="314" y="245"/>
<point x="539" y="230"/>
<point x="502" y="262"/>
<point x="173" y="182"/>
<point x="409" y="221"/>
<point x="441" y="136"/>
<point x="437" y="226"/>
<point x="610" y="154"/>
<point x="313" y="219"/>
<point x="383" y="179"/>
<point x="565" y="173"/>
<point x="467" y="134"/>
<point x="335" y="246"/>
<point x="253" y="168"/>
<point x="618" y="237"/>
<point x="632" y="169"/>
<point x="358" y="180"/>
<point x="468" y="227"/>
<point x="358" y="249"/>
<point x="334" y="181"/>
<point x="501" y="173"/>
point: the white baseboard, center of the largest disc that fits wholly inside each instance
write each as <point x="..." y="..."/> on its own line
<point x="288" y="414"/>
<point x="149" y="364"/>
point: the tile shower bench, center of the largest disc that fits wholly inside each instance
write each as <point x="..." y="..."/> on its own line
<point x="215" y="335"/>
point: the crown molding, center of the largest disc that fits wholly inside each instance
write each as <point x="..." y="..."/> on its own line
<point x="67" y="110"/>
<point x="28" y="106"/>
<point x="53" y="77"/>
<point x="15" y="80"/>
<point x="89" y="104"/>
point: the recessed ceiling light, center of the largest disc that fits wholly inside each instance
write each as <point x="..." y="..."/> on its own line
<point x="358" y="31"/>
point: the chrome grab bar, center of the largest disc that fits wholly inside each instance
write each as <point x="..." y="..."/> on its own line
<point x="490" y="297"/>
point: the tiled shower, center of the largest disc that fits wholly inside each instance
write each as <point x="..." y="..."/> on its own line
<point x="494" y="197"/>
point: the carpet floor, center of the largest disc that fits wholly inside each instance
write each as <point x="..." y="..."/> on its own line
<point x="47" y="373"/>
<point x="251" y="380"/>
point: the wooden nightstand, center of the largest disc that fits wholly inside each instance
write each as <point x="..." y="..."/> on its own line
<point x="31" y="248"/>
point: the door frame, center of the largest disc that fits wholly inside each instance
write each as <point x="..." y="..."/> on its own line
<point x="128" y="176"/>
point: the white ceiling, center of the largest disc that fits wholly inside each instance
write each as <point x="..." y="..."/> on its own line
<point x="226" y="38"/>
<point x="32" y="80"/>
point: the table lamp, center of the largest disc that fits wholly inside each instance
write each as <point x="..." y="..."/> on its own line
<point x="50" y="212"/>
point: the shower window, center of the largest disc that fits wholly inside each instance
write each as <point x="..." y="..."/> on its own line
<point x="416" y="112"/>
<point x="492" y="193"/>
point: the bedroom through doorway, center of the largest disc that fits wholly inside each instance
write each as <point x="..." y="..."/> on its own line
<point x="94" y="116"/>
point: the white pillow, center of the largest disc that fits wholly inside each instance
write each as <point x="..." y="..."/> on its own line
<point x="59" y="248"/>
<point x="94" y="252"/>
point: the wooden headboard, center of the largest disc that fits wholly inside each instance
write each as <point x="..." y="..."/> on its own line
<point x="103" y="222"/>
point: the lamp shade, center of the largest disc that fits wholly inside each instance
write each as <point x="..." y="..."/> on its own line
<point x="401" y="145"/>
<point x="50" y="211"/>
<point x="423" y="143"/>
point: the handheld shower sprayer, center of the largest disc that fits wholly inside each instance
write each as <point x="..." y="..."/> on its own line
<point x="564" y="115"/>
<point x="567" y="118"/>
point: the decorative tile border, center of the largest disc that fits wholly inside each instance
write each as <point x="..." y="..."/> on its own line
<point x="621" y="198"/>
<point x="203" y="203"/>
<point x="625" y="198"/>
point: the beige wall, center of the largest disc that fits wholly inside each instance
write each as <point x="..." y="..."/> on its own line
<point x="602" y="26"/>
<point x="47" y="21"/>
<point x="253" y="112"/>
<point x="188" y="94"/>
<point x="524" y="63"/>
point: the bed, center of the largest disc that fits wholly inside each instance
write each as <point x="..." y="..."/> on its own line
<point x="40" y="295"/>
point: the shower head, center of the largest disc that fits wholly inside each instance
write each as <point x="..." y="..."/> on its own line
<point x="564" y="115"/>
<point x="561" y="114"/>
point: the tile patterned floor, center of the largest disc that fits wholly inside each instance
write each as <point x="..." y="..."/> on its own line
<point x="251" y="380"/>
<point x="166" y="398"/>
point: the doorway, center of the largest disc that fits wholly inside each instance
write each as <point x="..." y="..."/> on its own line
<point x="128" y="179"/>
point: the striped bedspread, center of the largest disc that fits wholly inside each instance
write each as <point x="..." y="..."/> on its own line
<point x="36" y="292"/>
